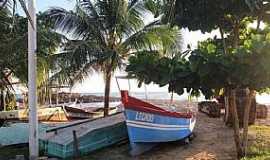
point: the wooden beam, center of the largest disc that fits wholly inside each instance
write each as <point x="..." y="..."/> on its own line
<point x="32" y="87"/>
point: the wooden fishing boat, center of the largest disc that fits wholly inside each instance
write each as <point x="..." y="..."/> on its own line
<point x="44" y="114"/>
<point x="149" y="125"/>
<point x="18" y="133"/>
<point x="56" y="114"/>
<point x="86" y="113"/>
<point x="84" y="136"/>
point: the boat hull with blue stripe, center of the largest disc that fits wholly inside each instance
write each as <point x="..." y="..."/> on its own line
<point x="149" y="125"/>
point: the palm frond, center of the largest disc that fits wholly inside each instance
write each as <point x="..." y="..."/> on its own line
<point x="12" y="5"/>
<point x="89" y="8"/>
<point x="77" y="24"/>
<point x="76" y="60"/>
<point x="23" y="5"/>
<point x="132" y="22"/>
<point x="152" y="36"/>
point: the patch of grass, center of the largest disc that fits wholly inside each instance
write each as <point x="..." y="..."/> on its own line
<point x="260" y="157"/>
<point x="259" y="148"/>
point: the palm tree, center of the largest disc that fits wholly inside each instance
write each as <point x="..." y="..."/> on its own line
<point x="105" y="33"/>
<point x="13" y="51"/>
<point x="11" y="4"/>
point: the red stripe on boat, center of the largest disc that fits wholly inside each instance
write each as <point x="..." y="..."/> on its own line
<point x="139" y="105"/>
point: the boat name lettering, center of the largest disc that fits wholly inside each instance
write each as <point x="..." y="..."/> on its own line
<point x="141" y="116"/>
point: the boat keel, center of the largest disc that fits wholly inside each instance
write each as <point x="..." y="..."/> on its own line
<point x="140" y="147"/>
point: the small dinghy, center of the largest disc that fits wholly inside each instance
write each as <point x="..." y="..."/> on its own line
<point x="149" y="125"/>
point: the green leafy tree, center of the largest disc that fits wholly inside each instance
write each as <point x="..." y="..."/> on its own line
<point x="104" y="34"/>
<point x="208" y="71"/>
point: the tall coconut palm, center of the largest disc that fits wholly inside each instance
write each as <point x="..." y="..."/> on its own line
<point x="104" y="33"/>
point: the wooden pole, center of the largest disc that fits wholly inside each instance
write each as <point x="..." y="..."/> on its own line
<point x="32" y="72"/>
<point x="146" y="93"/>
<point x="50" y="97"/>
<point x="75" y="145"/>
<point x="57" y="96"/>
<point x="4" y="101"/>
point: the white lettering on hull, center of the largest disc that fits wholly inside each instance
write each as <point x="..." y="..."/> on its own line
<point x="146" y="117"/>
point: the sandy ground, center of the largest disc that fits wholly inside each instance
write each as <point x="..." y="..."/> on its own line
<point x="213" y="141"/>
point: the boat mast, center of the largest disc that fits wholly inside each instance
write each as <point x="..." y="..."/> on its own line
<point x="32" y="89"/>
<point x="145" y="91"/>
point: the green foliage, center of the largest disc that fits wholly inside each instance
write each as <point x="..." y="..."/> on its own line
<point x="155" y="6"/>
<point x="10" y="102"/>
<point x="13" y="49"/>
<point x="207" y="69"/>
<point x="172" y="71"/>
<point x="247" y="66"/>
<point x="209" y="15"/>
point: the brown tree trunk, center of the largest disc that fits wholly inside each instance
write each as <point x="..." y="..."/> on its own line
<point x="229" y="116"/>
<point x="108" y="76"/>
<point x="236" y="128"/>
<point x="258" y="24"/>
<point x="227" y="103"/>
<point x="2" y="101"/>
<point x="236" y="34"/>
<point x="226" y="98"/>
<point x="259" y="19"/>
<point x="246" y="120"/>
<point x="223" y="40"/>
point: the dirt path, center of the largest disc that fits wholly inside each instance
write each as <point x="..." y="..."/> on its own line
<point x="214" y="141"/>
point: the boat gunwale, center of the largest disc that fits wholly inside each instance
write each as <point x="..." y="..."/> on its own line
<point x="139" y="105"/>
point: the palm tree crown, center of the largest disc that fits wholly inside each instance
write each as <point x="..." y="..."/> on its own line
<point x="104" y="33"/>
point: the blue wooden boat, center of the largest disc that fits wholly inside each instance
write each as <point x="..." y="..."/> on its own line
<point x="82" y="137"/>
<point x="149" y="125"/>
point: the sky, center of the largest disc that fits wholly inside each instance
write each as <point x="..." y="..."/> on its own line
<point x="43" y="5"/>
<point x="95" y="83"/>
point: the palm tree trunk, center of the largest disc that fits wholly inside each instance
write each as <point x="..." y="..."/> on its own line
<point x="108" y="76"/>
